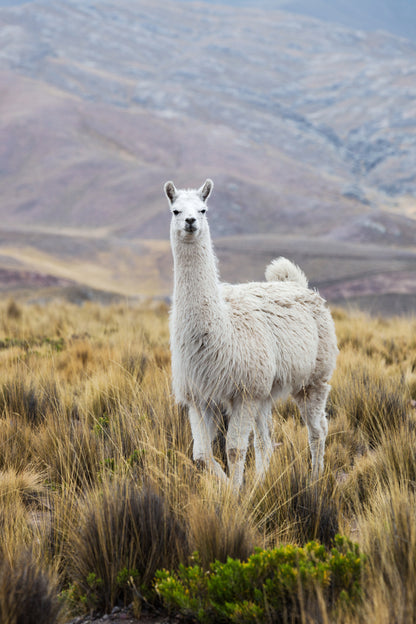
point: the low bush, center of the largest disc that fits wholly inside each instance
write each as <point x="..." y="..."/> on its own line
<point x="276" y="585"/>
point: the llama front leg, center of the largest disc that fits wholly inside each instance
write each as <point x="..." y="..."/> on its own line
<point x="204" y="430"/>
<point x="240" y="424"/>
<point x="263" y="447"/>
<point x="311" y="403"/>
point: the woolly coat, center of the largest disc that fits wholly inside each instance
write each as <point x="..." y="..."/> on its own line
<point x="261" y="339"/>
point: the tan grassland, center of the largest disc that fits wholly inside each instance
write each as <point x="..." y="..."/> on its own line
<point x="90" y="437"/>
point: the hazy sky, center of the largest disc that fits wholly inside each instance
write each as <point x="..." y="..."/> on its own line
<point x="395" y="16"/>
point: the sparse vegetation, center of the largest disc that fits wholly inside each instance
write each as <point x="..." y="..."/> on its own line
<point x="99" y="491"/>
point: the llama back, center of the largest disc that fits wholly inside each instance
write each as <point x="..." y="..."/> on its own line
<point x="283" y="270"/>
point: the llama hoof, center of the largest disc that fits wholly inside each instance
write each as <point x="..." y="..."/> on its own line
<point x="200" y="465"/>
<point x="212" y="467"/>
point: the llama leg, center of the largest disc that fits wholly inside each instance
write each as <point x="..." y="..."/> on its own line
<point x="263" y="447"/>
<point x="204" y="430"/>
<point x="311" y="404"/>
<point x="239" y="427"/>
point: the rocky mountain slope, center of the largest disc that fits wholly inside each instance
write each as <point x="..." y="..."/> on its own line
<point x="307" y="128"/>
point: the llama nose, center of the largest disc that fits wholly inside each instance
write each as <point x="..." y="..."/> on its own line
<point x="190" y="220"/>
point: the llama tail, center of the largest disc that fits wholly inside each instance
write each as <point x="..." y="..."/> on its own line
<point x="282" y="269"/>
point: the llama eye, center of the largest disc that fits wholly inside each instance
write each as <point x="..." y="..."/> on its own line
<point x="176" y="212"/>
<point x="203" y="211"/>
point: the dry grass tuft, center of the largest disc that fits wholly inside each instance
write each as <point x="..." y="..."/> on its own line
<point x="27" y="486"/>
<point x="13" y="310"/>
<point x="374" y="401"/>
<point x="388" y="535"/>
<point x="219" y="526"/>
<point x="28" y="593"/>
<point x="123" y="531"/>
<point x="292" y="508"/>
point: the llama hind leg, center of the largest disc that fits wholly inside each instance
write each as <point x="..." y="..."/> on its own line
<point x="239" y="427"/>
<point x="311" y="403"/>
<point x="204" y="430"/>
<point x="263" y="447"/>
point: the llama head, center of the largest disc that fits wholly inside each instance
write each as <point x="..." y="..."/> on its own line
<point x="188" y="208"/>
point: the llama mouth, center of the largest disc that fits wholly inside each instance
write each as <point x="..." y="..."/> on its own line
<point x="190" y="228"/>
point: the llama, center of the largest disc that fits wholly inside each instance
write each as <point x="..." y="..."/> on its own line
<point x="240" y="347"/>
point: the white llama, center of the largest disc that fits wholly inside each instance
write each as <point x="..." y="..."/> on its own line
<point x="239" y="347"/>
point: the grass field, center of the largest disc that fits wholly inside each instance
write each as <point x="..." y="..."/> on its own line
<point x="98" y="489"/>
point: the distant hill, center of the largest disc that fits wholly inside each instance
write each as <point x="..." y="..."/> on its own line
<point x="308" y="129"/>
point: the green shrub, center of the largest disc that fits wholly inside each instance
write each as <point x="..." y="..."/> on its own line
<point x="271" y="586"/>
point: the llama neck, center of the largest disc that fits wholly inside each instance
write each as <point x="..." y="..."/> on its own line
<point x="197" y="297"/>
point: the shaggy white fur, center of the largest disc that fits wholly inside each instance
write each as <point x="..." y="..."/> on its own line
<point x="240" y="347"/>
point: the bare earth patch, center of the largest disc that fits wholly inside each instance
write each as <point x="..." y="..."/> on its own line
<point x="124" y="616"/>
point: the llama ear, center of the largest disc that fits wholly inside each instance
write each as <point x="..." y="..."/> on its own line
<point x="171" y="192"/>
<point x="206" y="189"/>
